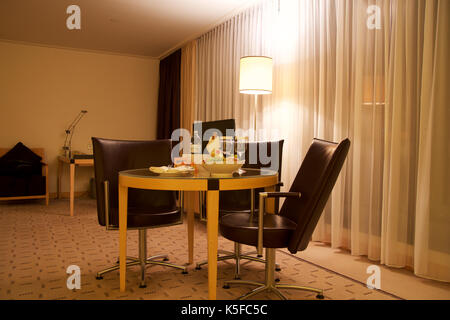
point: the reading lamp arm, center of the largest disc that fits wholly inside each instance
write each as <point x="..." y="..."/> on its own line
<point x="71" y="128"/>
<point x="76" y="120"/>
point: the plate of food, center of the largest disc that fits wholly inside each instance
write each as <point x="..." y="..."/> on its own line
<point x="166" y="171"/>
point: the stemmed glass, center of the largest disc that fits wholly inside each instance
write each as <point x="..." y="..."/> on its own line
<point x="241" y="147"/>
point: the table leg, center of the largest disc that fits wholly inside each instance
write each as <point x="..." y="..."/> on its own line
<point x="72" y="186"/>
<point x="123" y="207"/>
<point x="58" y="182"/>
<point x="190" y="224"/>
<point x="212" y="211"/>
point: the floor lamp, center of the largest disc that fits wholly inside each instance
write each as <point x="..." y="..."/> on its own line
<point x="255" y="77"/>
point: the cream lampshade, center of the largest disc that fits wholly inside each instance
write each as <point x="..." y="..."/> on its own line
<point x="255" y="75"/>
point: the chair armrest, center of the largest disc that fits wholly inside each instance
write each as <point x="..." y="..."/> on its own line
<point x="283" y="194"/>
<point x="106" y="199"/>
<point x="262" y="198"/>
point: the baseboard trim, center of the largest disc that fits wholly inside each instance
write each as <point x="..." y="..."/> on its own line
<point x="338" y="273"/>
<point x="66" y="195"/>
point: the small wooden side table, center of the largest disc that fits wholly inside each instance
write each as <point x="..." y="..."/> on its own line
<point x="72" y="162"/>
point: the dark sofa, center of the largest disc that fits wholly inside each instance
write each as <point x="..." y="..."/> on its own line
<point x="23" y="175"/>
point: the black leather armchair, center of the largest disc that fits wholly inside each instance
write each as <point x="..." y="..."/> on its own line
<point x="292" y="228"/>
<point x="246" y="201"/>
<point x="207" y="128"/>
<point x="146" y="208"/>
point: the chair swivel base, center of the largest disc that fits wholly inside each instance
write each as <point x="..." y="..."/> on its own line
<point x="261" y="287"/>
<point x="270" y="285"/>
<point x="231" y="255"/>
<point x="164" y="257"/>
<point x="237" y="256"/>
<point x="132" y="261"/>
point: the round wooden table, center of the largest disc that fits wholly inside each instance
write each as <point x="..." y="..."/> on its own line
<point x="145" y="179"/>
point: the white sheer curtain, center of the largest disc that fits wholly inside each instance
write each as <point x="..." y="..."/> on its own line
<point x="219" y="51"/>
<point x="432" y="223"/>
<point x="334" y="77"/>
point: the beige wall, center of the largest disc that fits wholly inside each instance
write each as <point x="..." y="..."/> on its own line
<point x="42" y="90"/>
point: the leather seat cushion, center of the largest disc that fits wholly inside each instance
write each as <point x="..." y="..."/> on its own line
<point x="238" y="227"/>
<point x="224" y="212"/>
<point x="139" y="218"/>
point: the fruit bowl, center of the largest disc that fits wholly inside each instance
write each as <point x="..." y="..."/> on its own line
<point x="221" y="170"/>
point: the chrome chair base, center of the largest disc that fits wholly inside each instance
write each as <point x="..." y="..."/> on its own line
<point x="270" y="285"/>
<point x="164" y="257"/>
<point x="237" y="256"/>
<point x="133" y="261"/>
<point x="143" y="261"/>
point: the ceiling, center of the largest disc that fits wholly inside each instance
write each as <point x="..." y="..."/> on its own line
<point x="137" y="27"/>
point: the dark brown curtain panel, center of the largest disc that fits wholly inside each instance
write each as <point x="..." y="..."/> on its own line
<point x="169" y="95"/>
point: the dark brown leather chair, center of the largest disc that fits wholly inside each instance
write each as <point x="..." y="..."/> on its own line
<point x="146" y="208"/>
<point x="292" y="228"/>
<point x="207" y="128"/>
<point x="240" y="201"/>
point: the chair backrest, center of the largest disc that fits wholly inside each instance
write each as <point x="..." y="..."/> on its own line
<point x="219" y="126"/>
<point x="315" y="180"/>
<point x="240" y="199"/>
<point x="112" y="156"/>
<point x="261" y="149"/>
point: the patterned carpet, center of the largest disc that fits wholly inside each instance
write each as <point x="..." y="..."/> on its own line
<point x="38" y="243"/>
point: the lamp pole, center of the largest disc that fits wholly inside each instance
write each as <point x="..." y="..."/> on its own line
<point x="254" y="118"/>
